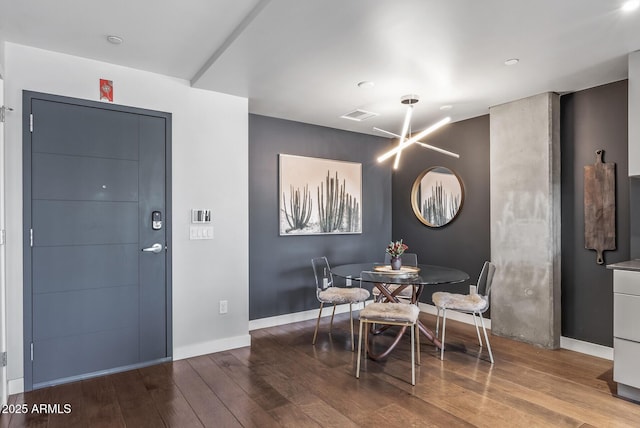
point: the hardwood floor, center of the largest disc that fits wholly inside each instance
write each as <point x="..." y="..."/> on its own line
<point x="282" y="380"/>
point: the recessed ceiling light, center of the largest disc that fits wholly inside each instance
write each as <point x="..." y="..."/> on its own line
<point x="446" y="107"/>
<point x="512" y="61"/>
<point x="366" y="84"/>
<point x="630" y="5"/>
<point x="115" y="40"/>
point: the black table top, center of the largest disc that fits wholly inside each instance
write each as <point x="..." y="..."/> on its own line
<point x="427" y="274"/>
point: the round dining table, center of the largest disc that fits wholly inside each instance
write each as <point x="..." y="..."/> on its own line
<point x="391" y="282"/>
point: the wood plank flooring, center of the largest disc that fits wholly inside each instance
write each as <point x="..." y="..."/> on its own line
<point x="284" y="381"/>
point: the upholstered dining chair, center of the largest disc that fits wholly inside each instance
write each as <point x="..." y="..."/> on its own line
<point x="326" y="292"/>
<point x="474" y="303"/>
<point x="402" y="314"/>
<point x="408" y="259"/>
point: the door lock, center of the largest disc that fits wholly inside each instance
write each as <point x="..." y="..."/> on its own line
<point x="156" y="220"/>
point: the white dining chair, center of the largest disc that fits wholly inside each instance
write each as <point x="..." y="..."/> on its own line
<point x="400" y="314"/>
<point x="326" y="292"/>
<point x="475" y="304"/>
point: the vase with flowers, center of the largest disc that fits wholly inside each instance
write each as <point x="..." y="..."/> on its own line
<point x="395" y="250"/>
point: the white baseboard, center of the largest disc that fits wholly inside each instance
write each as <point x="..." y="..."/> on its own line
<point x="298" y="316"/>
<point x="568" y="343"/>
<point x="588" y="348"/>
<point x="182" y="352"/>
<point x="15" y="386"/>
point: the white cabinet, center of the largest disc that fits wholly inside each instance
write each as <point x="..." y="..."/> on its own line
<point x="626" y="332"/>
<point x="634" y="111"/>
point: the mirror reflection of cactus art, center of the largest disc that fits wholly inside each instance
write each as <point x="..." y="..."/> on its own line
<point x="319" y="196"/>
<point x="437" y="196"/>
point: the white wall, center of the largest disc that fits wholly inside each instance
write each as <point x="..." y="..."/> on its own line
<point x="210" y="170"/>
<point x="1" y="59"/>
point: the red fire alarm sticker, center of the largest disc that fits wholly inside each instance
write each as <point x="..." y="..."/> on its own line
<point x="106" y="90"/>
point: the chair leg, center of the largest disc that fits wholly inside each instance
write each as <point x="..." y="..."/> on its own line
<point x="351" y="323"/>
<point x="332" y="314"/>
<point x="477" y="329"/>
<point x="486" y="338"/>
<point x="437" y="319"/>
<point x="413" y="357"/>
<point x="359" y="350"/>
<point x="418" y="341"/>
<point x="315" y="335"/>
<point x="444" y="326"/>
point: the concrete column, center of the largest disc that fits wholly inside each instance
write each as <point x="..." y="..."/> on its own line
<point x="525" y="219"/>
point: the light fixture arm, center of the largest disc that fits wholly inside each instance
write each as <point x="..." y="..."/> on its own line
<point x="391" y="134"/>
<point x="438" y="149"/>
<point x="416" y="138"/>
<point x="403" y="135"/>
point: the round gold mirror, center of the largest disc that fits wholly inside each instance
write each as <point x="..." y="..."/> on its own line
<point x="437" y="196"/>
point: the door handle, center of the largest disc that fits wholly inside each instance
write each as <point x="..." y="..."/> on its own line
<point x="155" y="248"/>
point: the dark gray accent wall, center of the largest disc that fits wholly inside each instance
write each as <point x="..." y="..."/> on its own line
<point x="280" y="276"/>
<point x="464" y="243"/>
<point x="592" y="119"/>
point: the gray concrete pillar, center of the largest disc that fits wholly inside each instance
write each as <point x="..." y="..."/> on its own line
<point x="525" y="219"/>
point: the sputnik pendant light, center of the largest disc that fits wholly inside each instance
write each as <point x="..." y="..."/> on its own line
<point x="403" y="142"/>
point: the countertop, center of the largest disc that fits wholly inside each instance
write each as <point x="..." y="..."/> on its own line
<point x="633" y="265"/>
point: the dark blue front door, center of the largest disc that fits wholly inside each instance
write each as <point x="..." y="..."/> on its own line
<point x="99" y="303"/>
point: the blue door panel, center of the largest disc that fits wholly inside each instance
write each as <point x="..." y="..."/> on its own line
<point x="84" y="222"/>
<point x="77" y="267"/>
<point x="83" y="131"/>
<point x="81" y="178"/>
<point x="69" y="356"/>
<point x="85" y="311"/>
<point x="152" y="273"/>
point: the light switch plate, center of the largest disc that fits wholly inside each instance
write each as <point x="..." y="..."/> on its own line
<point x="200" y="232"/>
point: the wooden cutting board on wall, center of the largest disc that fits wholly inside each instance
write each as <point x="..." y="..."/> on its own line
<point x="600" y="207"/>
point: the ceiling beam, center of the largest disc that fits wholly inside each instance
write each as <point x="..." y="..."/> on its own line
<point x="229" y="40"/>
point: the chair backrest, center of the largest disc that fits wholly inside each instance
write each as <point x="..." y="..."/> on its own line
<point x="408" y="259"/>
<point x="485" y="279"/>
<point x="322" y="272"/>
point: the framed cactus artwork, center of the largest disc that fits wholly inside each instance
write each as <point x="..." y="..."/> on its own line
<point x="319" y="196"/>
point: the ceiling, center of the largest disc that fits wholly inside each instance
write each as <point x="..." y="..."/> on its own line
<point x="302" y="60"/>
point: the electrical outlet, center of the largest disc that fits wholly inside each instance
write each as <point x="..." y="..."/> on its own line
<point x="224" y="306"/>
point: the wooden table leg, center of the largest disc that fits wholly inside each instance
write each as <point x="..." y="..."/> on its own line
<point x="427" y="332"/>
<point x="392" y="297"/>
<point x="386" y="352"/>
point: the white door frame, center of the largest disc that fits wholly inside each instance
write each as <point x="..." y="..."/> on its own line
<point x="3" y="320"/>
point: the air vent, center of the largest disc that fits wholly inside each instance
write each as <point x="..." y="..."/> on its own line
<point x="359" y="115"/>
